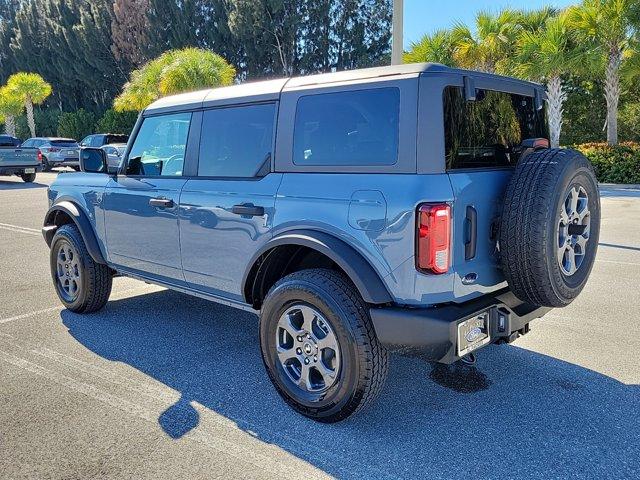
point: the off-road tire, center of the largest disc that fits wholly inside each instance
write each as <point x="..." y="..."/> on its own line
<point x="28" y="177"/>
<point x="364" y="361"/>
<point x="528" y="238"/>
<point x="96" y="279"/>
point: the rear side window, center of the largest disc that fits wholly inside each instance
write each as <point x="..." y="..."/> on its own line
<point x="236" y="141"/>
<point x="160" y="146"/>
<point x="488" y="132"/>
<point x="353" y="128"/>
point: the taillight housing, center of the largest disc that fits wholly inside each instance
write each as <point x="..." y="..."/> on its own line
<point x="39" y="156"/>
<point x="433" y="238"/>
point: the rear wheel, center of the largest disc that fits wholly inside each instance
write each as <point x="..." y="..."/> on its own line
<point x="28" y="177"/>
<point x="319" y="346"/>
<point x="82" y="285"/>
<point x="46" y="166"/>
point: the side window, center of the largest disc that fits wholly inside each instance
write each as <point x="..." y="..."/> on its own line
<point x="28" y="144"/>
<point x="160" y="146"/>
<point x="353" y="128"/>
<point x="86" y="141"/>
<point x="236" y="141"/>
<point x="96" y="141"/>
<point x="488" y="132"/>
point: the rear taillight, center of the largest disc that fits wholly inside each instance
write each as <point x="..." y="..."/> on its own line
<point x="39" y="156"/>
<point x="433" y="238"/>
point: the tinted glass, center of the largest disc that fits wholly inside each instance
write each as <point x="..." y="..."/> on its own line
<point x="85" y="142"/>
<point x="96" y="141"/>
<point x="347" y="128"/>
<point x="117" y="138"/>
<point x="160" y="146"/>
<point x="63" y="143"/>
<point x="488" y="132"/>
<point x="236" y="142"/>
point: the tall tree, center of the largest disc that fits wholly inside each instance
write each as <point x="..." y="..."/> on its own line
<point x="546" y="55"/>
<point x="175" y="71"/>
<point x="489" y="46"/>
<point x="607" y="24"/>
<point x="436" y="47"/>
<point x="11" y="105"/>
<point x="32" y="89"/>
<point x="130" y="31"/>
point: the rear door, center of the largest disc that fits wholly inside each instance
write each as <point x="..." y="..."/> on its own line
<point x="483" y="142"/>
<point x="226" y="211"/>
<point x="141" y="203"/>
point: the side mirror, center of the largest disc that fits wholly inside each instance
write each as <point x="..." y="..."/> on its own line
<point x="93" y="160"/>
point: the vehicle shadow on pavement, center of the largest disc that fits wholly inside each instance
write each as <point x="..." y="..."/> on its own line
<point x="517" y="414"/>
<point x="20" y="185"/>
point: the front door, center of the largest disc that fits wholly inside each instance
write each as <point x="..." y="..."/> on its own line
<point x="141" y="204"/>
<point x="226" y="211"/>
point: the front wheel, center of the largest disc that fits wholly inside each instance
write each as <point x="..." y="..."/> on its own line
<point x="82" y="285"/>
<point x="319" y="346"/>
<point x="28" y="177"/>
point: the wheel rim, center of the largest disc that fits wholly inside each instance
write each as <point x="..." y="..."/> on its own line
<point x="307" y="349"/>
<point x="573" y="230"/>
<point x="68" y="272"/>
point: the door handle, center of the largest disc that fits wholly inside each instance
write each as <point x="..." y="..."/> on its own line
<point x="248" y="209"/>
<point x="161" y="202"/>
<point x="471" y="241"/>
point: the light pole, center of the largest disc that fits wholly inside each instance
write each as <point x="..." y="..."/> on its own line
<point x="396" y="40"/>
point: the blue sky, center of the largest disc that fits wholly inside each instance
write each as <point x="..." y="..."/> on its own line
<point x="424" y="16"/>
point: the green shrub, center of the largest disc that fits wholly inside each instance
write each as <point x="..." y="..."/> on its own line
<point x="117" y="122"/>
<point x="76" y="124"/>
<point x="619" y="164"/>
<point x="46" y="123"/>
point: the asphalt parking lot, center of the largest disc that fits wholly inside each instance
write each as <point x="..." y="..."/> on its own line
<point x="162" y="385"/>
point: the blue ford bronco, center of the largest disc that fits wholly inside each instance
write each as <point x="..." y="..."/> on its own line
<point x="413" y="207"/>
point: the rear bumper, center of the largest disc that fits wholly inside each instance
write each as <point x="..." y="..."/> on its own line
<point x="18" y="170"/>
<point x="433" y="332"/>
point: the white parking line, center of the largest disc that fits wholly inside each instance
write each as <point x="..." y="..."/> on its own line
<point x="619" y="262"/>
<point x="16" y="228"/>
<point x="30" y="314"/>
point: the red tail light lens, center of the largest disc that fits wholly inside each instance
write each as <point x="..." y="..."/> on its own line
<point x="433" y="238"/>
<point x="39" y="156"/>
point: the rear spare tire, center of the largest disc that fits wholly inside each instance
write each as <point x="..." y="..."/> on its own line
<point x="550" y="227"/>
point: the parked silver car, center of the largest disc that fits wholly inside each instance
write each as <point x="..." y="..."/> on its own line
<point x="55" y="152"/>
<point x="114" y="153"/>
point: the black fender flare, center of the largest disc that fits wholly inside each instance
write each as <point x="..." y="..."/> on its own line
<point x="357" y="268"/>
<point x="80" y="219"/>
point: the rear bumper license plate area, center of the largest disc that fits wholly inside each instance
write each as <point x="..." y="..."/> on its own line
<point x="473" y="334"/>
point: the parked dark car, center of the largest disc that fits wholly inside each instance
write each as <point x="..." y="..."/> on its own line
<point x="9" y="141"/>
<point x="98" y="140"/>
<point x="55" y="152"/>
<point x="414" y="207"/>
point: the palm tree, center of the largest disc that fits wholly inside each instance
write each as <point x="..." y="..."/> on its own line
<point x="436" y="47"/>
<point x="175" y="71"/>
<point x="10" y="107"/>
<point x="32" y="89"/>
<point x="607" y="24"/>
<point x="489" y="47"/>
<point x="546" y="55"/>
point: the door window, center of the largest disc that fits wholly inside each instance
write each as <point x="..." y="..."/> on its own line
<point x="352" y="128"/>
<point x="159" y="147"/>
<point x="236" y="141"/>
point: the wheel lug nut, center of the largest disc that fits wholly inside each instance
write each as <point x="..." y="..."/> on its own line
<point x="299" y="351"/>
<point x="315" y="359"/>
<point x="306" y="361"/>
<point x="299" y="338"/>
